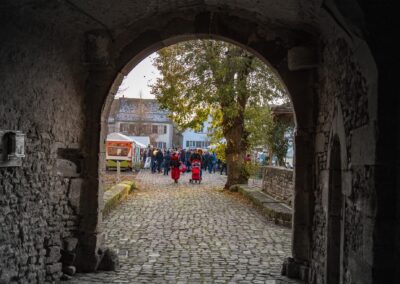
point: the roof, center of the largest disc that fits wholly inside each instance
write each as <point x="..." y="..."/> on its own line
<point x="133" y="109"/>
<point x="118" y="137"/>
<point x="142" y="141"/>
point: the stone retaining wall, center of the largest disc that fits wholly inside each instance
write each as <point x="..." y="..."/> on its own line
<point x="278" y="183"/>
<point x="116" y="195"/>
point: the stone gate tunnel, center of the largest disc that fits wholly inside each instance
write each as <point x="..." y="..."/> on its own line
<point x="61" y="62"/>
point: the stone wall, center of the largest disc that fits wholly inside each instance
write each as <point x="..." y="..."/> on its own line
<point x="39" y="95"/>
<point x="278" y="182"/>
<point x="347" y="112"/>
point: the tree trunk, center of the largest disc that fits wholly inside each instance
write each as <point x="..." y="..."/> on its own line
<point x="234" y="129"/>
<point x="236" y="148"/>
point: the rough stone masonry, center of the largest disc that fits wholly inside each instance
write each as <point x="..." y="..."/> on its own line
<point x="278" y="183"/>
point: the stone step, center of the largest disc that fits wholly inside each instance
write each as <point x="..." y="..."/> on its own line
<point x="274" y="210"/>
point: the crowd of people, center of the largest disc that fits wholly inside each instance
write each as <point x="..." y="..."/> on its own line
<point x="162" y="160"/>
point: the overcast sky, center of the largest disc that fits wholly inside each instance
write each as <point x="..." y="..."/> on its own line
<point x="139" y="78"/>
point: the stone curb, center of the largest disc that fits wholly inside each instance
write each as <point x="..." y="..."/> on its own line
<point x="118" y="193"/>
<point x="274" y="210"/>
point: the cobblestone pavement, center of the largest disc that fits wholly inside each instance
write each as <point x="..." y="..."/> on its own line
<point x="191" y="233"/>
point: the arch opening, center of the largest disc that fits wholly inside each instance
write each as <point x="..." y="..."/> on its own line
<point x="299" y="86"/>
<point x="134" y="61"/>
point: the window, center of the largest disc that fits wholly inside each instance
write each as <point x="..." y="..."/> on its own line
<point x="160" y="145"/>
<point x="148" y="129"/>
<point x="142" y="130"/>
<point x="154" y="129"/>
<point x="197" y="144"/>
<point x="132" y="128"/>
<point x="162" y="129"/>
<point x="124" y="127"/>
<point x="118" y="151"/>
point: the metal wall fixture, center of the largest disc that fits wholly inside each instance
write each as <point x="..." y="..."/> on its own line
<point x="12" y="148"/>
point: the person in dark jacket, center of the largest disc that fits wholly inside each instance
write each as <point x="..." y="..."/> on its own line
<point x="182" y="156"/>
<point x="152" y="155"/>
<point x="167" y="162"/>
<point x="159" y="159"/>
<point x="187" y="159"/>
<point x="223" y="168"/>
<point x="211" y="163"/>
<point x="206" y="160"/>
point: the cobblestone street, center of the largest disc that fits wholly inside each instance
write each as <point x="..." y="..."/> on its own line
<point x="191" y="233"/>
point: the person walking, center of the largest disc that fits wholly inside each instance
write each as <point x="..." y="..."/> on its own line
<point x="187" y="159"/>
<point x="206" y="160"/>
<point x="223" y="167"/>
<point x="211" y="163"/>
<point x="167" y="162"/>
<point x="159" y="158"/>
<point x="153" y="160"/>
<point x="182" y="156"/>
<point x="144" y="156"/>
<point x="175" y="164"/>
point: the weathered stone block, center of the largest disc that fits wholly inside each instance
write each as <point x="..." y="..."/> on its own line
<point x="293" y="269"/>
<point x="70" y="244"/>
<point x="53" y="268"/>
<point x="74" y="193"/>
<point x="53" y="254"/>
<point x="69" y="270"/>
<point x="66" y="168"/>
<point x="109" y="261"/>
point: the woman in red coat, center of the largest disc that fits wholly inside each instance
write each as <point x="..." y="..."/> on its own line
<point x="175" y="163"/>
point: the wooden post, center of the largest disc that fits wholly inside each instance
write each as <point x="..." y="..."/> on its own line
<point x="118" y="171"/>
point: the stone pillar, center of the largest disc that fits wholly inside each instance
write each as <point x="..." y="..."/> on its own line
<point x="300" y="81"/>
<point x="89" y="252"/>
<point x="303" y="195"/>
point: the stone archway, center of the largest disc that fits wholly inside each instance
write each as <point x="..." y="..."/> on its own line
<point x="69" y="54"/>
<point x="294" y="62"/>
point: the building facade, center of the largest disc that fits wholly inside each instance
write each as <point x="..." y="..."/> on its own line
<point x="192" y="139"/>
<point x="141" y="117"/>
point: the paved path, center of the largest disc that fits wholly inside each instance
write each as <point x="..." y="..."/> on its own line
<point x="168" y="233"/>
